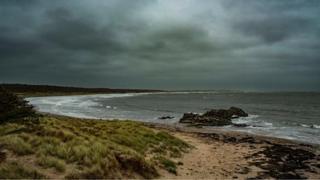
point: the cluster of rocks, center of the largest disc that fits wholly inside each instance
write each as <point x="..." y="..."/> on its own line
<point x="285" y="162"/>
<point x="214" y="117"/>
<point x="277" y="159"/>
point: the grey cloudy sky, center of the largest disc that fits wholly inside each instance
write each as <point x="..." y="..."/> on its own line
<point x="162" y="44"/>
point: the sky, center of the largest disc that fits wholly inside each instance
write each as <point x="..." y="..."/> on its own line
<point x="162" y="44"/>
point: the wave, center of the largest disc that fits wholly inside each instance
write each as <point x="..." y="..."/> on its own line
<point x="77" y="106"/>
<point x="97" y="106"/>
<point x="316" y="126"/>
<point x="246" y="120"/>
<point x="313" y="126"/>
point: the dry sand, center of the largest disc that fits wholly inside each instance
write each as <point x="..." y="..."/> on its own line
<point x="232" y="155"/>
<point x="215" y="160"/>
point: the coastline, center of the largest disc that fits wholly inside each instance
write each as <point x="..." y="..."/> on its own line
<point x="214" y="153"/>
<point x="179" y="127"/>
<point x="225" y="133"/>
<point x="227" y="154"/>
<point x="109" y="107"/>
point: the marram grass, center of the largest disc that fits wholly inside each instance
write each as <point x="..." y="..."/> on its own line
<point x="63" y="147"/>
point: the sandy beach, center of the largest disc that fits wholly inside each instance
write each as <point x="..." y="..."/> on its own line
<point x="160" y="89"/>
<point x="46" y="145"/>
<point x="226" y="155"/>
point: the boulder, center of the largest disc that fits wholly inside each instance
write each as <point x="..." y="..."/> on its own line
<point x="189" y="117"/>
<point x="237" y="112"/>
<point x="165" y="117"/>
<point x="240" y="125"/>
<point x="214" y="117"/>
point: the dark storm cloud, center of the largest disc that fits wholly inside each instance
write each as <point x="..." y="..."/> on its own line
<point x="189" y="44"/>
<point x="274" y="29"/>
<point x="71" y="33"/>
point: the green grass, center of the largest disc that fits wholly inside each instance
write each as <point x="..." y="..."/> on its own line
<point x="167" y="164"/>
<point x="13" y="170"/>
<point x="91" y="148"/>
<point x="16" y="144"/>
<point x="51" y="162"/>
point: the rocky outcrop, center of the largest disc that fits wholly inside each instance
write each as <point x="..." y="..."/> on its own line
<point x="214" y="117"/>
<point x="165" y="117"/>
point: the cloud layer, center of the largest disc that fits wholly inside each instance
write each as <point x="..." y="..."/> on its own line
<point x="167" y="44"/>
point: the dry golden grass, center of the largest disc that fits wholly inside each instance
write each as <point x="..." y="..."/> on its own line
<point x="75" y="148"/>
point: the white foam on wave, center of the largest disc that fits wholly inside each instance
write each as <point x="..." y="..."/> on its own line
<point x="305" y="125"/>
<point x="253" y="122"/>
<point x="267" y="124"/>
<point x="76" y="106"/>
<point x="245" y="120"/>
<point x="302" y="132"/>
<point x="313" y="126"/>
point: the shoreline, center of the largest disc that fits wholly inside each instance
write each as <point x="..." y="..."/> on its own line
<point x="180" y="127"/>
<point x="242" y="155"/>
<point x="225" y="132"/>
<point x="231" y="154"/>
<point x="303" y="133"/>
<point x="217" y="155"/>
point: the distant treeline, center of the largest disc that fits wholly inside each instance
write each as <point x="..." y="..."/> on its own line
<point x="47" y="89"/>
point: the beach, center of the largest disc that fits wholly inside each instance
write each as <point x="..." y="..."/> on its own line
<point x="286" y="115"/>
<point x="74" y="145"/>
<point x="276" y="142"/>
<point x="238" y="155"/>
<point x="160" y="89"/>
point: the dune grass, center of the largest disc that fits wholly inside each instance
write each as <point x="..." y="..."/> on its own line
<point x="167" y="164"/>
<point x="51" y="162"/>
<point x="14" y="170"/>
<point x="76" y="148"/>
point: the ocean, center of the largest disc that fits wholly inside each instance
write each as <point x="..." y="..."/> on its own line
<point x="286" y="115"/>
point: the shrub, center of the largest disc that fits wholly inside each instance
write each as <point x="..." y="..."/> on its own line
<point x="13" y="107"/>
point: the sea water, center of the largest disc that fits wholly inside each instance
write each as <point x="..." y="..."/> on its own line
<point x="286" y="115"/>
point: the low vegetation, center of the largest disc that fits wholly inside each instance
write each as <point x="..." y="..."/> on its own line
<point x="13" y="107"/>
<point x="75" y="148"/>
<point x="46" y="90"/>
<point x="167" y="164"/>
<point x="62" y="147"/>
<point x="14" y="170"/>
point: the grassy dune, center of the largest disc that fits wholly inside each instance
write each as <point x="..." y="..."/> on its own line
<point x="63" y="147"/>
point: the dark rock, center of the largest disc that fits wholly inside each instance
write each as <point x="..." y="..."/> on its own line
<point x="283" y="161"/>
<point x="220" y="117"/>
<point x="249" y="140"/>
<point x="238" y="112"/>
<point x="166" y="117"/>
<point x="189" y="117"/>
<point x="230" y="139"/>
<point x="221" y="113"/>
<point x="240" y="125"/>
